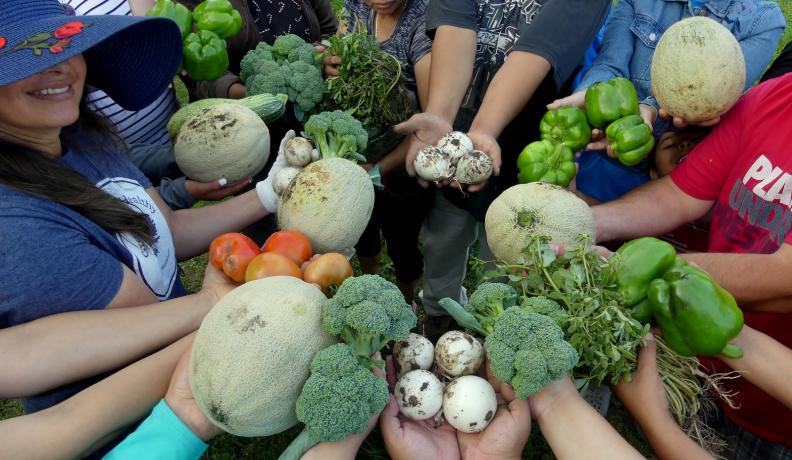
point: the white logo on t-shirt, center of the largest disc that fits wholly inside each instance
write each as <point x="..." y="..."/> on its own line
<point x="155" y="264"/>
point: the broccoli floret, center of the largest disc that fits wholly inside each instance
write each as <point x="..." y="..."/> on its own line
<point x="337" y="134"/>
<point x="285" y="44"/>
<point x="338" y="399"/>
<point x="306" y="86"/>
<point x="367" y="312"/>
<point x="528" y="350"/>
<point x="256" y="62"/>
<point x="271" y="79"/>
<point x="485" y="306"/>
<point x="545" y="306"/>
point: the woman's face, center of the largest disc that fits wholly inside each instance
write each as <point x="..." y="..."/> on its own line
<point x="45" y="101"/>
<point x="384" y="7"/>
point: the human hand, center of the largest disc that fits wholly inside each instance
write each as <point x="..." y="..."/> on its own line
<point x="237" y="91"/>
<point x="553" y="394"/>
<point x="644" y="396"/>
<point x="577" y="99"/>
<point x="489" y="145"/>
<point x="424" y="129"/>
<point x="270" y="199"/>
<point x="681" y="122"/>
<point x="505" y="437"/>
<point x="331" y="63"/>
<point x="213" y="191"/>
<point x="215" y="285"/>
<point x="181" y="401"/>
<point x="410" y="439"/>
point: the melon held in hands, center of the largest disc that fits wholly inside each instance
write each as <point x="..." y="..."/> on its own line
<point x="253" y="352"/>
<point x="223" y="141"/>
<point x="698" y="69"/>
<point x="329" y="201"/>
<point x="525" y="211"/>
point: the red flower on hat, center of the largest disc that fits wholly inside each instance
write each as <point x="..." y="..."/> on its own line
<point x="2" y="42"/>
<point x="69" y="29"/>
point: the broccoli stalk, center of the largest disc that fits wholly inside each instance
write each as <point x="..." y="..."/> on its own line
<point x="485" y="306"/>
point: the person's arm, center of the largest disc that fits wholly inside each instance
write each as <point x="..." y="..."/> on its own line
<point x="572" y="428"/>
<point x="66" y="347"/>
<point x="328" y="23"/>
<point x="766" y="363"/>
<point x="616" y="49"/>
<point x="652" y="209"/>
<point x="646" y="401"/>
<point x="87" y="420"/>
<point x="451" y="68"/>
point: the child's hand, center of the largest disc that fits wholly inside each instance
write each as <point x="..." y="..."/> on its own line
<point x="644" y="396"/>
<point x="575" y="100"/>
<point x="681" y="122"/>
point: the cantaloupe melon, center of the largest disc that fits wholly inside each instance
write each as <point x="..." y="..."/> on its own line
<point x="698" y="69"/>
<point x="253" y="352"/>
<point x="535" y="209"/>
<point x="226" y="141"/>
<point x="329" y="201"/>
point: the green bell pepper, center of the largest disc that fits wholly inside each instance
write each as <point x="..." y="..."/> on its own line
<point x="218" y="16"/>
<point x="568" y="126"/>
<point x="697" y="317"/>
<point x="205" y="55"/>
<point x="608" y="101"/>
<point x="637" y="263"/>
<point x="630" y="138"/>
<point x="176" y="12"/>
<point x="543" y="161"/>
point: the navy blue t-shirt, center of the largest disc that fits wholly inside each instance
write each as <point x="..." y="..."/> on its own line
<point x="55" y="260"/>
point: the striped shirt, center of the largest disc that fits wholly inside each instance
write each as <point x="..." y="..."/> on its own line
<point x="146" y="126"/>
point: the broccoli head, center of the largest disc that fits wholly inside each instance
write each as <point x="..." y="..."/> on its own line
<point x="484" y="307"/>
<point x="544" y="306"/>
<point x="306" y="86"/>
<point x="528" y="350"/>
<point x="337" y="134"/>
<point x="255" y="62"/>
<point x="338" y="400"/>
<point x="367" y="312"/>
<point x="270" y="79"/>
<point x="340" y="396"/>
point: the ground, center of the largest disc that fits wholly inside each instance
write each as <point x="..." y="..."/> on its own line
<point x="235" y="448"/>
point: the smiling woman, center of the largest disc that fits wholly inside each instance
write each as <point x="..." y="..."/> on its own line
<point x="83" y="231"/>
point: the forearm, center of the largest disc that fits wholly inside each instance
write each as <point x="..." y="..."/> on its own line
<point x="394" y="161"/>
<point x="453" y="55"/>
<point x="755" y="280"/>
<point x="511" y="88"/>
<point x="652" y="209"/>
<point x="573" y="418"/>
<point x="83" y="422"/>
<point x="766" y="363"/>
<point x="68" y="347"/>
<point x="193" y="229"/>
<point x="667" y="440"/>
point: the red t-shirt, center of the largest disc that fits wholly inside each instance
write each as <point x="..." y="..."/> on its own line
<point x="745" y="166"/>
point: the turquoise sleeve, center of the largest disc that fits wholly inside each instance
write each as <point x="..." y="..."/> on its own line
<point x="161" y="436"/>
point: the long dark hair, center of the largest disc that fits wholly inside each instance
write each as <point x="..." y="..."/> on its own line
<point x="29" y="171"/>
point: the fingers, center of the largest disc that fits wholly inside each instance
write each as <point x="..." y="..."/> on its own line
<point x="390" y="372"/>
<point x="598" y="145"/>
<point x="647" y="357"/>
<point x="577" y="99"/>
<point x="408" y="126"/>
<point x="390" y="424"/>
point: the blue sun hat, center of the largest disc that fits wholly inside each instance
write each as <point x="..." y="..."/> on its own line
<point x="132" y="59"/>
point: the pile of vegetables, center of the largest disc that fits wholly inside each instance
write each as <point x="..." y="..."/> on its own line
<point x="454" y="159"/>
<point x="370" y="84"/>
<point x="285" y="253"/>
<point x="290" y="66"/>
<point x="205" y="55"/>
<point x="342" y="394"/>
<point x="585" y="295"/>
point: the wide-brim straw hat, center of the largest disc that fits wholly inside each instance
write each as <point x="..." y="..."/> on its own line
<point x="132" y="59"/>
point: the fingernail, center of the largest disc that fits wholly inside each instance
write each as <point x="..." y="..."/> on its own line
<point x="649" y="337"/>
<point x="222" y="182"/>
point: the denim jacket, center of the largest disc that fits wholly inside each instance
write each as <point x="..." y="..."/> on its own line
<point x="635" y="26"/>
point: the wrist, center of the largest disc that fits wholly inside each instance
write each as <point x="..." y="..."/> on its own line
<point x="205" y="431"/>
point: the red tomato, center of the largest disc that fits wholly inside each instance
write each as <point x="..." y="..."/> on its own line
<point x="231" y="252"/>
<point x="289" y="243"/>
<point x="271" y="264"/>
<point x="327" y="270"/>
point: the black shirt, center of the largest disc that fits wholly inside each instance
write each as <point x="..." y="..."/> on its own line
<point x="279" y="17"/>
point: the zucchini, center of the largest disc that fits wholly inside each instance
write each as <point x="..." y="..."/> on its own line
<point x="268" y="107"/>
